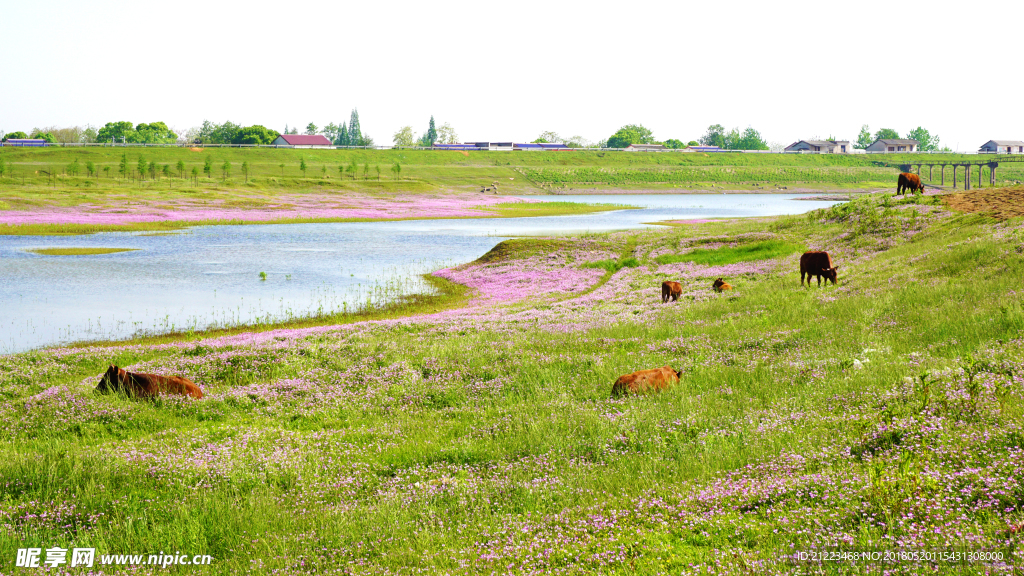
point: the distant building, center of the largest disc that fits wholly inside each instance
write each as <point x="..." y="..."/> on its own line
<point x="645" y="148"/>
<point x="822" y="146"/>
<point x="893" y="145"/>
<point x="302" y="141"/>
<point x="25" y="142"/>
<point x="703" y="149"/>
<point x="500" y="146"/>
<point x="1003" y="147"/>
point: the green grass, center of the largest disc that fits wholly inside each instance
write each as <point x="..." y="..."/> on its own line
<point x="613" y="265"/>
<point x="78" y="251"/>
<point x="763" y="250"/>
<point x="486" y="442"/>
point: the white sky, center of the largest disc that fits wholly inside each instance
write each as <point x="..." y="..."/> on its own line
<point x="510" y="70"/>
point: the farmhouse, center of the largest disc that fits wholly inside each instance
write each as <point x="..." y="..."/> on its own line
<point x="893" y="145"/>
<point x="302" y="141"/>
<point x="645" y="148"/>
<point x="823" y="146"/>
<point x="25" y="142"/>
<point x="703" y="149"/>
<point x="1003" y="147"/>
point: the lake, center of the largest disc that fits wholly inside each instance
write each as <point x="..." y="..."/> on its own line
<point x="211" y="275"/>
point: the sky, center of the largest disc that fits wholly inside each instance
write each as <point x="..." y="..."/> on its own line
<point x="500" y="71"/>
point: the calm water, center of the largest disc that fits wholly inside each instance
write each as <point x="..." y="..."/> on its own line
<point x="210" y="276"/>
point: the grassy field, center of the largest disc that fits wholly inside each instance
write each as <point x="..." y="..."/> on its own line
<point x="275" y="170"/>
<point x="883" y="412"/>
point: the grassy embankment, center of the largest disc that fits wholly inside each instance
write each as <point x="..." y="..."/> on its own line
<point x="879" y="412"/>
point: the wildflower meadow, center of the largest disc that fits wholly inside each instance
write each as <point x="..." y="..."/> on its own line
<point x="882" y="413"/>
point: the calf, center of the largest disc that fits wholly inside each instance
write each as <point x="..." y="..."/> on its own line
<point x="671" y="289"/>
<point x="644" y="381"/>
<point x="817" y="263"/>
<point x="135" y="384"/>
<point x="720" y="285"/>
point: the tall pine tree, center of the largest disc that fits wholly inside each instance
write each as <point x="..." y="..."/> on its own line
<point x="343" y="136"/>
<point x="431" y="132"/>
<point x="355" y="135"/>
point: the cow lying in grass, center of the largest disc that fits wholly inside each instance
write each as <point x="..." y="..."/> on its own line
<point x="673" y="289"/>
<point x="818" y="264"/>
<point x="135" y="384"/>
<point x="654" y="380"/>
<point x="720" y="285"/>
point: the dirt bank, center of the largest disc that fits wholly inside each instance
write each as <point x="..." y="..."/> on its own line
<point x="1002" y="203"/>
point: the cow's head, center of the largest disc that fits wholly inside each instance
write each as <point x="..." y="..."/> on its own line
<point x="111" y="380"/>
<point x="718" y="283"/>
<point x="830" y="274"/>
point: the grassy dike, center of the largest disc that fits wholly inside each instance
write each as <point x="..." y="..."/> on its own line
<point x="886" y="411"/>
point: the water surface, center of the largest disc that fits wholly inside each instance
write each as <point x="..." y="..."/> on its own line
<point x="210" y="275"/>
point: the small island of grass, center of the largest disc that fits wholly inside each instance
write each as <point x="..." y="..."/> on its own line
<point x="78" y="251"/>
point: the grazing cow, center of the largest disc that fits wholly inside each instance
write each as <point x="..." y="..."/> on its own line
<point x="654" y="380"/>
<point x="818" y="264"/>
<point x="720" y="285"/>
<point x="908" y="181"/>
<point x="146" y="385"/>
<point x="673" y="289"/>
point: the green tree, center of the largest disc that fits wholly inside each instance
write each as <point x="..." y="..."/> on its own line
<point x="195" y="175"/>
<point x="366" y="171"/>
<point x="19" y="135"/>
<point x="674" y="144"/>
<point x="864" y="138"/>
<point x="323" y="171"/>
<point x="926" y="142"/>
<point x="715" y="136"/>
<point x="226" y="169"/>
<point x="90" y="168"/>
<point x="74" y="168"/>
<point x="692" y="143"/>
<point x="331" y="132"/>
<point x="255" y="134"/>
<point x="281" y="166"/>
<point x="377" y="168"/>
<point x="208" y="167"/>
<point x="48" y="137"/>
<point x="302" y="166"/>
<point x="630" y="134"/>
<point x="152" y="170"/>
<point x="106" y="171"/>
<point x="123" y="166"/>
<point x="887" y="134"/>
<point x="343" y="136"/>
<point x="116" y="132"/>
<point x="311" y="129"/>
<point x="181" y="168"/>
<point x="404" y="137"/>
<point x="355" y="134"/>
<point x="141" y="166"/>
<point x="397" y="169"/>
<point x="351" y="169"/>
<point x="341" y="171"/>
<point x="750" y="139"/>
<point x="3" y="167"/>
<point x="430" y="136"/>
<point x="155" y="133"/>
<point x="167" y="170"/>
<point x="211" y="133"/>
<point x="446" y="134"/>
<point x="245" y="170"/>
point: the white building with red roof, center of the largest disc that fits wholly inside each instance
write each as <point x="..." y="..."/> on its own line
<point x="302" y="141"/>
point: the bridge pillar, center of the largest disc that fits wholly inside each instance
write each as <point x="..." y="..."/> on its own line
<point x="992" y="174"/>
<point x="918" y="169"/>
<point x="930" y="166"/>
<point x="979" y="175"/>
<point x="954" y="176"/>
<point x="967" y="177"/>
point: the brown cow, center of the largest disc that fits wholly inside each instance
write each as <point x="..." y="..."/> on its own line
<point x="817" y="263"/>
<point x="146" y="385"/>
<point x="673" y="289"/>
<point x="654" y="380"/>
<point x="720" y="285"/>
<point x="908" y="181"/>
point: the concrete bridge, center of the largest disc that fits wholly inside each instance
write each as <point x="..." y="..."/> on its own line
<point x="990" y="163"/>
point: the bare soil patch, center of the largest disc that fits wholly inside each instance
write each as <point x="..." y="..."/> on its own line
<point x="1002" y="203"/>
